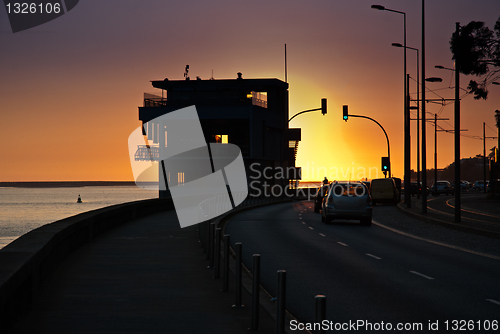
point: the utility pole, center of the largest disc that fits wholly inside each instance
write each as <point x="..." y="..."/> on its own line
<point x="407" y="145"/>
<point x="424" y="148"/>
<point x="458" y="203"/>
<point x="435" y="150"/>
<point x="484" y="153"/>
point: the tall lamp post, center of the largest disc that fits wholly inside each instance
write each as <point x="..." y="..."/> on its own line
<point x="458" y="204"/>
<point x="406" y="117"/>
<point x="399" y="45"/>
<point x="424" y="147"/>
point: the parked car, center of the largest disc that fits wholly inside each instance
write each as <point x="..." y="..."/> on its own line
<point x="464" y="185"/>
<point x="347" y="200"/>
<point x="417" y="188"/>
<point x="384" y="191"/>
<point x="320" y="195"/>
<point x="443" y="187"/>
<point x="479" y="185"/>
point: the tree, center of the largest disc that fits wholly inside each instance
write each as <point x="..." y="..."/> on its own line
<point x="478" y="50"/>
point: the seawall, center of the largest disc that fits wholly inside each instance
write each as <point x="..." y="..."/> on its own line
<point x="28" y="260"/>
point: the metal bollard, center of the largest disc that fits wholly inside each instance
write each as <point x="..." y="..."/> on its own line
<point x="225" y="275"/>
<point x="255" y="292"/>
<point x="280" y="311"/>
<point x="218" y="233"/>
<point x="319" y="311"/>
<point x="238" y="250"/>
<point x="210" y="242"/>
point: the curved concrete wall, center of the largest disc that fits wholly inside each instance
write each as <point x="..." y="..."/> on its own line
<point x="26" y="261"/>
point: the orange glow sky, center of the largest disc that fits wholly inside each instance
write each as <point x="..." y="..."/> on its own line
<point x="70" y="89"/>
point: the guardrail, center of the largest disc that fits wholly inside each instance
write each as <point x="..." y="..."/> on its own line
<point x="28" y="260"/>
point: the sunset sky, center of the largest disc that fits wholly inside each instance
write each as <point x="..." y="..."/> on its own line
<point x="70" y="89"/>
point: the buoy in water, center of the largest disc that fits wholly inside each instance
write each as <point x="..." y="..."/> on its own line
<point x="79" y="200"/>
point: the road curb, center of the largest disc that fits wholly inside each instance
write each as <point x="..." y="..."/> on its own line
<point x="444" y="223"/>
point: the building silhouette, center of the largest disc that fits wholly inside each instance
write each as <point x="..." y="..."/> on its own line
<point x="250" y="113"/>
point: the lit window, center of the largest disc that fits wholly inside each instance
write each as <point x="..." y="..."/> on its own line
<point x="221" y="139"/>
<point x="258" y="98"/>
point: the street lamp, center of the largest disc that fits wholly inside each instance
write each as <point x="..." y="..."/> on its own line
<point x="434" y="79"/>
<point x="406" y="117"/>
<point x="399" y="45"/>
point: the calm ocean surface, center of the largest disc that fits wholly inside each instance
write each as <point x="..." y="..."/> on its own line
<point x="23" y="209"/>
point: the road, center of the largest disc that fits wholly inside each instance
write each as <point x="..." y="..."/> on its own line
<point x="367" y="273"/>
<point x="446" y="205"/>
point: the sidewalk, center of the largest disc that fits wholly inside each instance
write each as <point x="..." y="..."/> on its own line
<point x="148" y="276"/>
<point x="486" y="224"/>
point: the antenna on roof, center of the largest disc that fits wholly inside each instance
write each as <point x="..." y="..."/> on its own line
<point x="186" y="71"/>
<point x="286" y="71"/>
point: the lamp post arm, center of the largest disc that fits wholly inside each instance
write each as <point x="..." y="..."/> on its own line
<point x="385" y="133"/>
<point x="302" y="112"/>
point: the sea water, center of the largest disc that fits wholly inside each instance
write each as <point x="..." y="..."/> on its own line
<point x="24" y="209"/>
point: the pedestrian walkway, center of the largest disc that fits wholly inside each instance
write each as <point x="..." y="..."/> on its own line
<point x="479" y="215"/>
<point x="148" y="276"/>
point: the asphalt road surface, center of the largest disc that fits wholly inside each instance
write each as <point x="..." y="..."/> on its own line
<point x="369" y="274"/>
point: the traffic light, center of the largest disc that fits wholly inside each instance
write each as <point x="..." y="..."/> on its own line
<point x="323" y="106"/>
<point x="346" y="113"/>
<point x="386" y="164"/>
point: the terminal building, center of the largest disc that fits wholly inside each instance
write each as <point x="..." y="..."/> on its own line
<point x="250" y="113"/>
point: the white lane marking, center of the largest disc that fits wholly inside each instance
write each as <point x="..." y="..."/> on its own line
<point x="420" y="274"/>
<point x="322" y="235"/>
<point x="341" y="243"/>
<point x="304" y="223"/>
<point x="493" y="301"/>
<point x="311" y="228"/>
<point x="436" y="242"/>
<point x="375" y="257"/>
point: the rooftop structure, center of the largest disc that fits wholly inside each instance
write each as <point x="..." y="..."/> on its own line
<point x="250" y="113"/>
